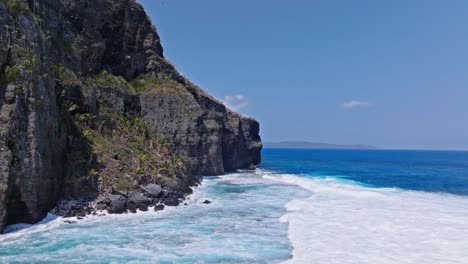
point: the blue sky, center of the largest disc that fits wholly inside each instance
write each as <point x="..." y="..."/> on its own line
<point x="388" y="73"/>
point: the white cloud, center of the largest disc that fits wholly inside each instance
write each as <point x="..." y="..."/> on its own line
<point x="354" y="104"/>
<point x="235" y="102"/>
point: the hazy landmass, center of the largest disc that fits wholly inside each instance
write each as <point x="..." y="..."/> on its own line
<point x="313" y="145"/>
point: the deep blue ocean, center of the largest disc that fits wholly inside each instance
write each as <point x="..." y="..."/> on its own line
<point x="299" y="206"/>
<point x="429" y="171"/>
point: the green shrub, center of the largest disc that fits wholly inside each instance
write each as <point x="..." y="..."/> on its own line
<point x="64" y="75"/>
<point x="15" y="7"/>
<point x="145" y="83"/>
<point x="24" y="58"/>
<point x="124" y="185"/>
<point x="93" y="173"/>
<point x="12" y="74"/>
<point x="22" y="52"/>
<point x="107" y="80"/>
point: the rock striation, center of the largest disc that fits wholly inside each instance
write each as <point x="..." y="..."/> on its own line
<point x="93" y="115"/>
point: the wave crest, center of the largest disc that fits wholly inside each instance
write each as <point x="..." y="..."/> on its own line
<point x="347" y="223"/>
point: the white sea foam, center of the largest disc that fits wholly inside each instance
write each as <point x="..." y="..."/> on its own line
<point x="348" y="223"/>
<point x="49" y="221"/>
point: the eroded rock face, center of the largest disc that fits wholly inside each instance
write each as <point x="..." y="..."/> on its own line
<point x="32" y="147"/>
<point x="88" y="37"/>
<point x="242" y="144"/>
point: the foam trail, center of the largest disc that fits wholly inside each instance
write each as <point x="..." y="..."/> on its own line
<point x="347" y="223"/>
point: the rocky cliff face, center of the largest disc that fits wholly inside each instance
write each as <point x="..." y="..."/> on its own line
<point x="89" y="107"/>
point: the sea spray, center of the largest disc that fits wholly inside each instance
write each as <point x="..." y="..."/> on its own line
<point x="348" y="223"/>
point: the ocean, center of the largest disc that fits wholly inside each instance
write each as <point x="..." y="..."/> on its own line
<point x="300" y="206"/>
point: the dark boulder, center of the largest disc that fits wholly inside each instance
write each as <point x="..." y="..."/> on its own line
<point x="131" y="207"/>
<point x="159" y="207"/>
<point x="103" y="204"/>
<point x="151" y="190"/>
<point x="139" y="200"/>
<point x="118" y="192"/>
<point x="172" y="199"/>
<point x="71" y="208"/>
<point x="143" y="207"/>
<point x="118" y="204"/>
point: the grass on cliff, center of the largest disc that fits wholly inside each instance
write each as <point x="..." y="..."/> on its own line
<point x="107" y="80"/>
<point x="16" y="7"/>
<point x="147" y="84"/>
<point x="24" y="62"/>
<point x="130" y="153"/>
<point x="64" y="75"/>
<point x="11" y="74"/>
<point x="144" y="84"/>
<point x="24" y="56"/>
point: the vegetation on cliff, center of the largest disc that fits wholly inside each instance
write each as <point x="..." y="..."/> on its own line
<point x="110" y="81"/>
<point x="90" y="110"/>
<point x="119" y="149"/>
<point x="15" y="7"/>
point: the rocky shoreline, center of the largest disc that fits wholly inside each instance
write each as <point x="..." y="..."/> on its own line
<point x="143" y="198"/>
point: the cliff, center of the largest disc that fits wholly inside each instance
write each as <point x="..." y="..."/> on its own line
<point x="92" y="112"/>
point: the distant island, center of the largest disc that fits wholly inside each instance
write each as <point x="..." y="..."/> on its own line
<point x="313" y="145"/>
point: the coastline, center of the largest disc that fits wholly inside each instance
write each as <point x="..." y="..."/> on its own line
<point x="146" y="198"/>
<point x="82" y="210"/>
<point x="140" y="201"/>
<point x="266" y="217"/>
<point x="243" y="216"/>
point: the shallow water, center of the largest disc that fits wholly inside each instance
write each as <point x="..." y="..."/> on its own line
<point x="239" y="226"/>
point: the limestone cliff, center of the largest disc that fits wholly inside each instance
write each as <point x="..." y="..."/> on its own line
<point x="90" y="109"/>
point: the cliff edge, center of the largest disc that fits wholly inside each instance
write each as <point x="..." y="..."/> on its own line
<point x="93" y="117"/>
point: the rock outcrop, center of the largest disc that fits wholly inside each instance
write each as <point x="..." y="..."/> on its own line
<point x="90" y="110"/>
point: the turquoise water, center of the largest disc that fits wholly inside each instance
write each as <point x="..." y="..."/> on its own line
<point x="239" y="226"/>
<point x="301" y="206"/>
